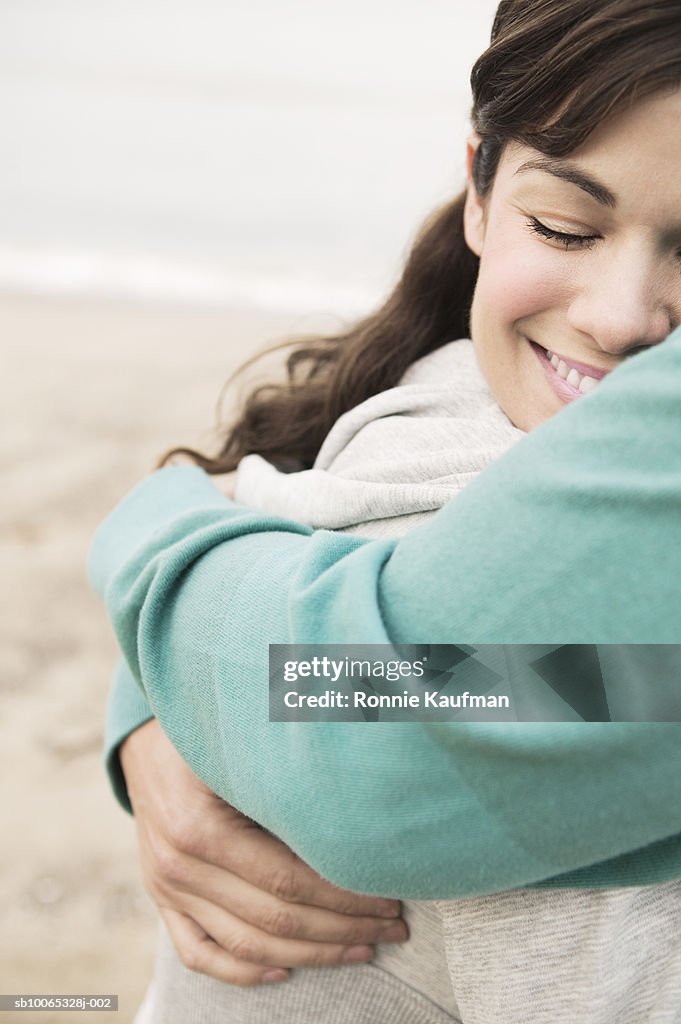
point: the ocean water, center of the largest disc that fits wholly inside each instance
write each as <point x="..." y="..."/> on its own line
<point x="240" y="153"/>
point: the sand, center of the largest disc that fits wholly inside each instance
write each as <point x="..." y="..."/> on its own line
<point x="92" y="393"/>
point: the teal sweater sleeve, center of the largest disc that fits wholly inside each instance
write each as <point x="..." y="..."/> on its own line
<point x="571" y="537"/>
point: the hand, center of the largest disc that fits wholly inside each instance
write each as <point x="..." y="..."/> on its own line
<point x="238" y="904"/>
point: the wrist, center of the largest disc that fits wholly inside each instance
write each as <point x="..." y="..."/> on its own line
<point x="130" y="749"/>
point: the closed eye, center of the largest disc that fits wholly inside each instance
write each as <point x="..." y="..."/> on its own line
<point x="562" y="237"/>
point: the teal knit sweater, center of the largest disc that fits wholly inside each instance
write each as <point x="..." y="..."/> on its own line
<point x="571" y="537"/>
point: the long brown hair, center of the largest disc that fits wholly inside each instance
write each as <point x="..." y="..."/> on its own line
<point x="554" y="70"/>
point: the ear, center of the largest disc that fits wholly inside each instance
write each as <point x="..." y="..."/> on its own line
<point x="474" y="208"/>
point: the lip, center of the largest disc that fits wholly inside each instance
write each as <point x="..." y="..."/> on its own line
<point x="566" y="392"/>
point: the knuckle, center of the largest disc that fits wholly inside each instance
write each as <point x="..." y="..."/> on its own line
<point x="349" y="904"/>
<point x="155" y="887"/>
<point x="183" y="836"/>
<point x="356" y="934"/>
<point x="283" y="884"/>
<point x="169" y="867"/>
<point x="192" y="958"/>
<point x="319" y="956"/>
<point x="278" y="921"/>
<point x="245" y="948"/>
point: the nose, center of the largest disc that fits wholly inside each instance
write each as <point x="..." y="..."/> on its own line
<point x="622" y="306"/>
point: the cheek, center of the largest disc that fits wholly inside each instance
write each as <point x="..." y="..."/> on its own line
<point x="519" y="278"/>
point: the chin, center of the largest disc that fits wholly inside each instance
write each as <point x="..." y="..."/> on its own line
<point x="527" y="416"/>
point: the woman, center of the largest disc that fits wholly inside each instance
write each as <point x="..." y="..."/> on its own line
<point x="558" y="83"/>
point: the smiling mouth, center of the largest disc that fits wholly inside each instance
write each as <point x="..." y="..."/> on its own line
<point x="569" y="378"/>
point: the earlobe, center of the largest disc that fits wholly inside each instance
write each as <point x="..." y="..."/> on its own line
<point x="474" y="208"/>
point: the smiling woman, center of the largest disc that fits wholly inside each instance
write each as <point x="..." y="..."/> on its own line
<point x="579" y="265"/>
<point x="562" y="257"/>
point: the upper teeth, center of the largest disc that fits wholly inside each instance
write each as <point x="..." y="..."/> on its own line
<point x="578" y="380"/>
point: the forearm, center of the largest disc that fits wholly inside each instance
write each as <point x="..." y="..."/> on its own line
<point x="571" y="516"/>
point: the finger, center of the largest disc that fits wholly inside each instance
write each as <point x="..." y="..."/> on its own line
<point x="268" y="864"/>
<point x="199" y="952"/>
<point x="267" y="913"/>
<point x="246" y="943"/>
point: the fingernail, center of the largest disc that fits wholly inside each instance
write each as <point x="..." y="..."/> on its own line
<point x="275" y="975"/>
<point x="396" y="933"/>
<point x="357" y="954"/>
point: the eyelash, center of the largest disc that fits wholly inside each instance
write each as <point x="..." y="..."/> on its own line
<point x="576" y="241"/>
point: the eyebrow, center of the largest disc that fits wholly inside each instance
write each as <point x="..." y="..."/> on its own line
<point x="559" y="169"/>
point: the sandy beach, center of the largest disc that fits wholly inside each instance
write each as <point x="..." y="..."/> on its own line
<point x="92" y="393"/>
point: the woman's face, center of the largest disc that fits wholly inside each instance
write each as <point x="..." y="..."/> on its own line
<point x="580" y="259"/>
